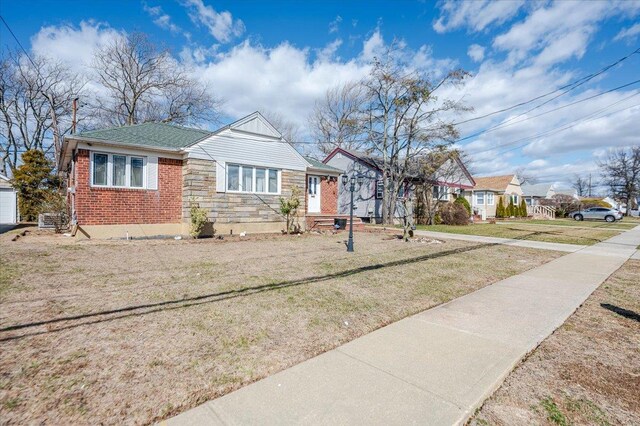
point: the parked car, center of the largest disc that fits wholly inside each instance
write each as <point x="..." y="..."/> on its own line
<point x="601" y="213"/>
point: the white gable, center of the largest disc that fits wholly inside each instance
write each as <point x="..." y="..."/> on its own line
<point x="251" y="141"/>
<point x="257" y="124"/>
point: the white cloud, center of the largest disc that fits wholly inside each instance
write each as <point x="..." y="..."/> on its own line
<point x="630" y="33"/>
<point x="161" y="19"/>
<point x="476" y="52"/>
<point x="373" y="46"/>
<point x="334" y="26"/>
<point x="329" y="51"/>
<point x="221" y="25"/>
<point x="73" y="45"/>
<point x="475" y="15"/>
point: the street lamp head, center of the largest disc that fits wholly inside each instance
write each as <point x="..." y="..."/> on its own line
<point x="360" y="179"/>
<point x="345" y="179"/>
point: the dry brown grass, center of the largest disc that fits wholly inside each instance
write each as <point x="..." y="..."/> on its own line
<point x="587" y="372"/>
<point x="112" y="332"/>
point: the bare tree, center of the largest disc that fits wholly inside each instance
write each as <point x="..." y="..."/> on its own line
<point x="144" y="84"/>
<point x="525" y="177"/>
<point x="621" y="173"/>
<point x="581" y="185"/>
<point x="291" y="131"/>
<point x="32" y="92"/>
<point x="336" y="120"/>
<point x="404" y="119"/>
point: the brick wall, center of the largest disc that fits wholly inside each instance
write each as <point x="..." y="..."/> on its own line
<point x="117" y="206"/>
<point x="328" y="195"/>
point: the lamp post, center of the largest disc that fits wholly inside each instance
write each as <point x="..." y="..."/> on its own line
<point x="352" y="187"/>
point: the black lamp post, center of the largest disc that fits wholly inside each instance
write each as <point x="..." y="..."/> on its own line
<point x="352" y="187"/>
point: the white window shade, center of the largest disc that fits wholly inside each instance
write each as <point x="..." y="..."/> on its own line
<point x="152" y="173"/>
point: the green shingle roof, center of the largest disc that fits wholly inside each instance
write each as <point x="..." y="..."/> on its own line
<point x="321" y="166"/>
<point x="157" y="135"/>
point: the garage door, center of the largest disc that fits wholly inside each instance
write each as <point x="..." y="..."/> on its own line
<point x="7" y="206"/>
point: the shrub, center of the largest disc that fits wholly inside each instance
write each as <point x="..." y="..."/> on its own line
<point x="198" y="219"/>
<point x="500" y="210"/>
<point x="34" y="180"/>
<point x="463" y="201"/>
<point x="511" y="209"/>
<point x="523" y="208"/>
<point x="594" y="202"/>
<point x="289" y="208"/>
<point x="454" y="214"/>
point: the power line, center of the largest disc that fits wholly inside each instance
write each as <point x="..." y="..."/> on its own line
<point x="583" y="119"/>
<point x="575" y="84"/>
<point x="501" y="126"/>
<point x="20" y="44"/>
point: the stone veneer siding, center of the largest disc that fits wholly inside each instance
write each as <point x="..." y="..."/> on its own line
<point x="119" y="206"/>
<point x="199" y="184"/>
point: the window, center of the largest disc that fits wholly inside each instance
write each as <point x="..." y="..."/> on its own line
<point x="401" y="190"/>
<point x="313" y="185"/>
<point x="137" y="172"/>
<point x="273" y="181"/>
<point x="489" y="198"/>
<point x="260" y="179"/>
<point x="379" y="189"/>
<point x="233" y="178"/>
<point x="515" y="200"/>
<point x="440" y="192"/>
<point x="100" y="162"/>
<point x="119" y="170"/>
<point x="480" y="198"/>
<point x="247" y="179"/>
<point x="252" y="179"/>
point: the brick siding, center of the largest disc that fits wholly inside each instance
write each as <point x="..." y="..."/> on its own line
<point x="118" y="206"/>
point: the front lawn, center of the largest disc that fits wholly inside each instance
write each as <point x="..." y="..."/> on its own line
<point x="133" y="332"/>
<point x="552" y="234"/>
<point x="587" y="372"/>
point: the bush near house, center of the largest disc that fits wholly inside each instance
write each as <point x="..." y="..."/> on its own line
<point x="523" y="209"/>
<point x="35" y="183"/>
<point x="454" y="214"/>
<point x="511" y="209"/>
<point x="500" y="209"/>
<point x="463" y="202"/>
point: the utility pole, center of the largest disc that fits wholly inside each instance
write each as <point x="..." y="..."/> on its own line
<point x="589" y="185"/>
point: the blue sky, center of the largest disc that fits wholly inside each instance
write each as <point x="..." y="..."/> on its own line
<point x="280" y="57"/>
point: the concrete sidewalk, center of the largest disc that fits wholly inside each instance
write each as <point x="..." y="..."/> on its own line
<point x="436" y="367"/>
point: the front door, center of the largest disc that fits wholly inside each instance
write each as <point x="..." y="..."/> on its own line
<point x="313" y="194"/>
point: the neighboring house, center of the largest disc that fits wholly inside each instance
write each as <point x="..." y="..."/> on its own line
<point x="571" y="192"/>
<point x="140" y="180"/>
<point x="484" y="196"/>
<point x="8" y="202"/>
<point x="532" y="194"/>
<point x="368" y="196"/>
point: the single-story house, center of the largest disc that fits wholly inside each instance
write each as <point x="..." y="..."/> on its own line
<point x="141" y="180"/>
<point x="484" y="196"/>
<point x="532" y="194"/>
<point x="368" y="196"/>
<point x="8" y="202"/>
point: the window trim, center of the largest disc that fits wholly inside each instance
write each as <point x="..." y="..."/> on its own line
<point x="483" y="198"/>
<point x="379" y="189"/>
<point x="487" y="193"/>
<point x="241" y="190"/>
<point x="110" y="174"/>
